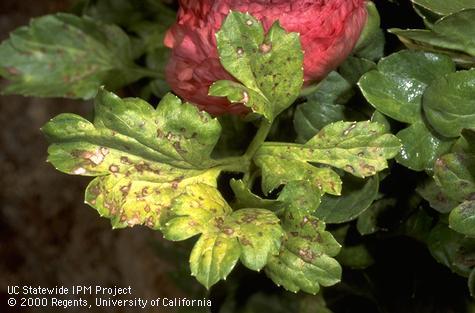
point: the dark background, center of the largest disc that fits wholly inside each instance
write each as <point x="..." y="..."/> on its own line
<point x="49" y="237"/>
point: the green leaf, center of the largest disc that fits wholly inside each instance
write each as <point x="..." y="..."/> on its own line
<point x="466" y="143"/>
<point x="64" y="55"/>
<point x="145" y="159"/>
<point x="444" y="7"/>
<point x="450" y="35"/>
<point x="357" y="196"/>
<point x="353" y="68"/>
<point x="452" y="249"/>
<point x="419" y="225"/>
<point x="324" y="106"/>
<point x="355" y="257"/>
<point x="358" y="148"/>
<point x="454" y="174"/>
<point x="396" y="88"/>
<point x="436" y="196"/>
<point x="259" y="234"/>
<point x="251" y="235"/>
<point x="213" y="257"/>
<point x="154" y="168"/>
<point x="268" y="66"/>
<point x="368" y="220"/>
<point x="421" y="147"/>
<point x="306" y="258"/>
<point x="246" y="199"/>
<point x="370" y="45"/>
<point x="462" y="218"/>
<point x="449" y="103"/>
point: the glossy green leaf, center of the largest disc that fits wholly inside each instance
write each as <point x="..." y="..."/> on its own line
<point x="370" y="45"/>
<point x="444" y="7"/>
<point x="268" y="66"/>
<point x="357" y="196"/>
<point x="353" y="68"/>
<point x="452" y="249"/>
<point x="358" y="148"/>
<point x="462" y="218"/>
<point x="421" y="147"/>
<point x="451" y="35"/>
<point x="436" y="196"/>
<point x="396" y="88"/>
<point x="305" y="261"/>
<point x="455" y="174"/>
<point x="449" y="103"/>
<point x="64" y="55"/>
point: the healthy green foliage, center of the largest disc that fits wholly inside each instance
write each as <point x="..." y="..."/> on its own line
<point x="269" y="66"/>
<point x="396" y="89"/>
<point x="64" y="55"/>
<point x="449" y="103"/>
<point x="443" y="7"/>
<point x="451" y="34"/>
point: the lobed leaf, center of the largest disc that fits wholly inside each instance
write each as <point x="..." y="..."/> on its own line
<point x="358" y="148"/>
<point x="268" y="67"/>
<point x="306" y="258"/>
<point x="145" y="158"/>
<point x="63" y="55"/>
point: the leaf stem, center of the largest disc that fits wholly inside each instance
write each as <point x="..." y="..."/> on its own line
<point x="259" y="139"/>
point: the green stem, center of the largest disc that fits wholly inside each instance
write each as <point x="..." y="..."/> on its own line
<point x="259" y="139"/>
<point x="242" y="163"/>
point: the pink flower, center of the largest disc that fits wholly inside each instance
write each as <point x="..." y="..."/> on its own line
<point x="328" y="31"/>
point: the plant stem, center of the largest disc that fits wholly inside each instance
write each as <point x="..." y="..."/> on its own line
<point x="259" y="139"/>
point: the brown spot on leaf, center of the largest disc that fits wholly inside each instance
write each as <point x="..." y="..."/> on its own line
<point x="244" y="241"/>
<point x="114" y="168"/>
<point x="265" y="47"/>
<point x="125" y="190"/>
<point x="125" y="160"/>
